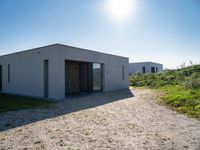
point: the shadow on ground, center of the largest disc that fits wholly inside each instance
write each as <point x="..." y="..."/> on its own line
<point x="14" y="119"/>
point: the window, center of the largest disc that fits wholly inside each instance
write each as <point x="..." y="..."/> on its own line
<point x="153" y="70"/>
<point x="123" y="72"/>
<point x="0" y="78"/>
<point x="8" y="72"/>
<point x="156" y="69"/>
<point x="143" y="70"/>
<point x="46" y="78"/>
<point x="97" y="76"/>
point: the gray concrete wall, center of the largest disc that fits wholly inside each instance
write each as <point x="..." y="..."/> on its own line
<point x="26" y="70"/>
<point x="135" y="68"/>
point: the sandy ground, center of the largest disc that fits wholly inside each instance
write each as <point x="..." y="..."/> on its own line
<point x="114" y="120"/>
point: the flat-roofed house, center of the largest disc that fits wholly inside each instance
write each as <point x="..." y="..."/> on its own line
<point x="57" y="70"/>
<point x="145" y="67"/>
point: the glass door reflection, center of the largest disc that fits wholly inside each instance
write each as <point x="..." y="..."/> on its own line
<point x="97" y="77"/>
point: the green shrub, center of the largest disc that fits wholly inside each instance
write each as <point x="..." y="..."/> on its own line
<point x="192" y="81"/>
<point x="183" y="99"/>
<point x="181" y="88"/>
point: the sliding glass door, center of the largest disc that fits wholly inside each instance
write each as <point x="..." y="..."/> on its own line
<point x="97" y="77"/>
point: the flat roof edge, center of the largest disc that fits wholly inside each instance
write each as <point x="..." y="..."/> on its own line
<point x="57" y="44"/>
<point x="145" y="62"/>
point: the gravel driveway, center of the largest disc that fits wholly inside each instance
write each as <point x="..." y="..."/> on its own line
<point x="115" y="120"/>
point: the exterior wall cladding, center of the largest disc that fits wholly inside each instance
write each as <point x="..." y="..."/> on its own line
<point x="27" y="70"/>
<point x="138" y="67"/>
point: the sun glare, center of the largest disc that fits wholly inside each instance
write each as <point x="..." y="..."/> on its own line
<point x="120" y="10"/>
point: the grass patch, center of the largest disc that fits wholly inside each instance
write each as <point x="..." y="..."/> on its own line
<point x="182" y="99"/>
<point x="14" y="103"/>
<point x="181" y="88"/>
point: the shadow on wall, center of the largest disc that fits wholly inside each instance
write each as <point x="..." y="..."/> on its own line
<point x="19" y="118"/>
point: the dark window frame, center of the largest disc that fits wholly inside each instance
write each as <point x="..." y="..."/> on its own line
<point x="1" y="77"/>
<point x="123" y="72"/>
<point x="153" y="70"/>
<point x="46" y="77"/>
<point x="156" y="69"/>
<point x="143" y="69"/>
<point x="8" y="72"/>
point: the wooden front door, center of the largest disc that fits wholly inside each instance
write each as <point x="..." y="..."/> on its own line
<point x="72" y="77"/>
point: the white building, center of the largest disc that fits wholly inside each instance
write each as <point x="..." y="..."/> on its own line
<point x="56" y="71"/>
<point x="145" y="67"/>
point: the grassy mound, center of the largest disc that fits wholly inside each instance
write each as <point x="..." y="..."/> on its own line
<point x="181" y="88"/>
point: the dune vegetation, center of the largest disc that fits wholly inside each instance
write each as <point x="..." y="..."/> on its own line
<point x="181" y="88"/>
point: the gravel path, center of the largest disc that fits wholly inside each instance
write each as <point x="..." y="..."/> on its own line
<point x="114" y="120"/>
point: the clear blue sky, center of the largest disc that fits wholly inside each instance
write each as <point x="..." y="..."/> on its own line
<point x="164" y="31"/>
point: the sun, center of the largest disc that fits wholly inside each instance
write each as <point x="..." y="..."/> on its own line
<point x="119" y="10"/>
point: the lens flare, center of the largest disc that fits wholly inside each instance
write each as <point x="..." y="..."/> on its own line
<point x="120" y="10"/>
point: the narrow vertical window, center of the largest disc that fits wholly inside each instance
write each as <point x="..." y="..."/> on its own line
<point x="97" y="76"/>
<point x="143" y="70"/>
<point x="153" y="70"/>
<point x="8" y="72"/>
<point x="46" y="78"/>
<point x="123" y="72"/>
<point x="0" y="78"/>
